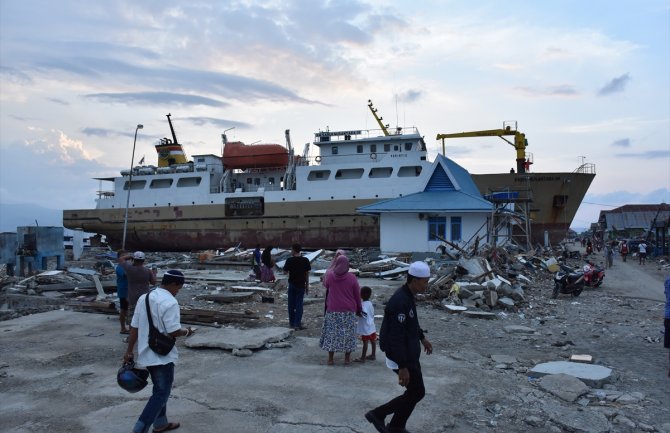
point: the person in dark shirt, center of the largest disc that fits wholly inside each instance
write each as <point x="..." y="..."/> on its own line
<point x="122" y="291"/>
<point x="298" y="268"/>
<point x="140" y="279"/>
<point x="401" y="339"/>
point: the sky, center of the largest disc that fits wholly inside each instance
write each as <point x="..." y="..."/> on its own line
<point x="586" y="81"/>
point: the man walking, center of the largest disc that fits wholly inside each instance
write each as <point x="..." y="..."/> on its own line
<point x="401" y="338"/>
<point x="642" y="248"/>
<point x="165" y="316"/>
<point x="140" y="279"/>
<point x="666" y="320"/>
<point x="298" y="268"/>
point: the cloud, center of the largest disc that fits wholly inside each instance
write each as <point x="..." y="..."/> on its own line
<point x="13" y="75"/>
<point x="616" y="85"/>
<point x="624" y="142"/>
<point x="451" y="151"/>
<point x="221" y="123"/>
<point x="99" y="132"/>
<point x="650" y="154"/>
<point x="153" y="98"/>
<point x="60" y="171"/>
<point x="58" y="101"/>
<point x="558" y="90"/>
<point x="409" y="96"/>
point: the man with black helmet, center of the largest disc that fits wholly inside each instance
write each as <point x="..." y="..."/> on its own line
<point x="165" y="316"/>
<point x="401" y="339"/>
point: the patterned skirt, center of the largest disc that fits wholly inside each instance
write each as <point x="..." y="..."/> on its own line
<point x="267" y="274"/>
<point x="339" y="332"/>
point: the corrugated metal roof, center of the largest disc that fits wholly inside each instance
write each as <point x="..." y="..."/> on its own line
<point x="450" y="188"/>
<point x="634" y="220"/>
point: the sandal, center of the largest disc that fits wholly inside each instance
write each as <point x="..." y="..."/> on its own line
<point x="169" y="426"/>
<point x="370" y="358"/>
<point x="124" y="332"/>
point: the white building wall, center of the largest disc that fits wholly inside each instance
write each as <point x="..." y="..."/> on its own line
<point x="407" y="233"/>
<point x="402" y="232"/>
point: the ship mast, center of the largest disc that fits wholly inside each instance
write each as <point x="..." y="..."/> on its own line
<point x="378" y="119"/>
<point x="174" y="136"/>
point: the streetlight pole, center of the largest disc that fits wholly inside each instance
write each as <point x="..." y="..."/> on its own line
<point x="130" y="181"/>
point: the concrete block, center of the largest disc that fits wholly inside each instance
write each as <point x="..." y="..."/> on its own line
<point x="592" y="375"/>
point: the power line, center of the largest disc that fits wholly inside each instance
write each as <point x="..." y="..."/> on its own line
<point x="602" y="204"/>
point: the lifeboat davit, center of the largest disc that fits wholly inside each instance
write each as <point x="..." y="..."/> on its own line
<point x="237" y="155"/>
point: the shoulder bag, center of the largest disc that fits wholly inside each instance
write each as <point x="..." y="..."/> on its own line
<point x="158" y="342"/>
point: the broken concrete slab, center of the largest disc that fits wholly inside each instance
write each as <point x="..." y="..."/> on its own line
<point x="564" y="386"/>
<point x="250" y="289"/>
<point x="227" y="297"/>
<point x="503" y="359"/>
<point x="586" y="359"/>
<point x="233" y="338"/>
<point x="582" y="421"/>
<point x="518" y="329"/>
<point x="491" y="298"/>
<point x="479" y="315"/>
<point x="455" y="308"/>
<point x="592" y="375"/>
<point x="506" y="302"/>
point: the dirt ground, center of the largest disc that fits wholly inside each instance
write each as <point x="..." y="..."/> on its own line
<point x="57" y="370"/>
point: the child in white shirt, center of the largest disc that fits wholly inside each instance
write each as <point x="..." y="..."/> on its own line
<point x="366" y="326"/>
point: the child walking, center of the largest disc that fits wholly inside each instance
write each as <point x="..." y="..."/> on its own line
<point x="366" y="326"/>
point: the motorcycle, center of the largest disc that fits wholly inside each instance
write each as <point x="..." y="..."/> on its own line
<point x="568" y="281"/>
<point x="593" y="275"/>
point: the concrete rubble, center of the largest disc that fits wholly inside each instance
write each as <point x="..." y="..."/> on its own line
<point x="557" y="383"/>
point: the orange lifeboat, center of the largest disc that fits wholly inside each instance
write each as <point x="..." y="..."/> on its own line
<point x="237" y="155"/>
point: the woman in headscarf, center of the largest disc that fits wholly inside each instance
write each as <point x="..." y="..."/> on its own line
<point x="342" y="305"/>
<point x="338" y="253"/>
<point x="267" y="263"/>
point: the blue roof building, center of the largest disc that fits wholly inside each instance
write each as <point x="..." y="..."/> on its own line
<point x="449" y="207"/>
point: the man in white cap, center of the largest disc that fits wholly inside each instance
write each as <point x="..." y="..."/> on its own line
<point x="140" y="279"/>
<point x="401" y="338"/>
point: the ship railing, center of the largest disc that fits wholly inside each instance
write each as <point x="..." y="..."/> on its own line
<point x="105" y="195"/>
<point x="586" y="168"/>
<point x="359" y="134"/>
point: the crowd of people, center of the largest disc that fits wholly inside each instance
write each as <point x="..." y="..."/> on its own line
<point x="348" y="317"/>
<point x="616" y="247"/>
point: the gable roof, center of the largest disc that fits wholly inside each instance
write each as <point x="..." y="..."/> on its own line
<point x="449" y="189"/>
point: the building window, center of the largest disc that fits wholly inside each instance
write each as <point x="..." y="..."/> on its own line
<point x="455" y="229"/>
<point x="436" y="227"/>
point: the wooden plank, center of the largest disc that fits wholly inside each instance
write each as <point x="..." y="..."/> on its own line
<point x="98" y="287"/>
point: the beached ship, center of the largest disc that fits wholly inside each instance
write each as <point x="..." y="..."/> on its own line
<point x="267" y="194"/>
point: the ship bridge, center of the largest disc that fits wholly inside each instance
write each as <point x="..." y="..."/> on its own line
<point x="356" y="146"/>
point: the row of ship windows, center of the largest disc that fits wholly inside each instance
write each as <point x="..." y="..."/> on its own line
<point x="351" y="173"/>
<point x="373" y="148"/>
<point x="357" y="173"/>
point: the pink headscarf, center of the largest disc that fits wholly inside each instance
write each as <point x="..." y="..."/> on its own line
<point x="341" y="265"/>
<point x="338" y="253"/>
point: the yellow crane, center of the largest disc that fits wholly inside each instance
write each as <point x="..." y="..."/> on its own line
<point x="378" y="119"/>
<point x="520" y="143"/>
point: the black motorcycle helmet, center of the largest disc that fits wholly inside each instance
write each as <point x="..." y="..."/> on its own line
<point x="130" y="378"/>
